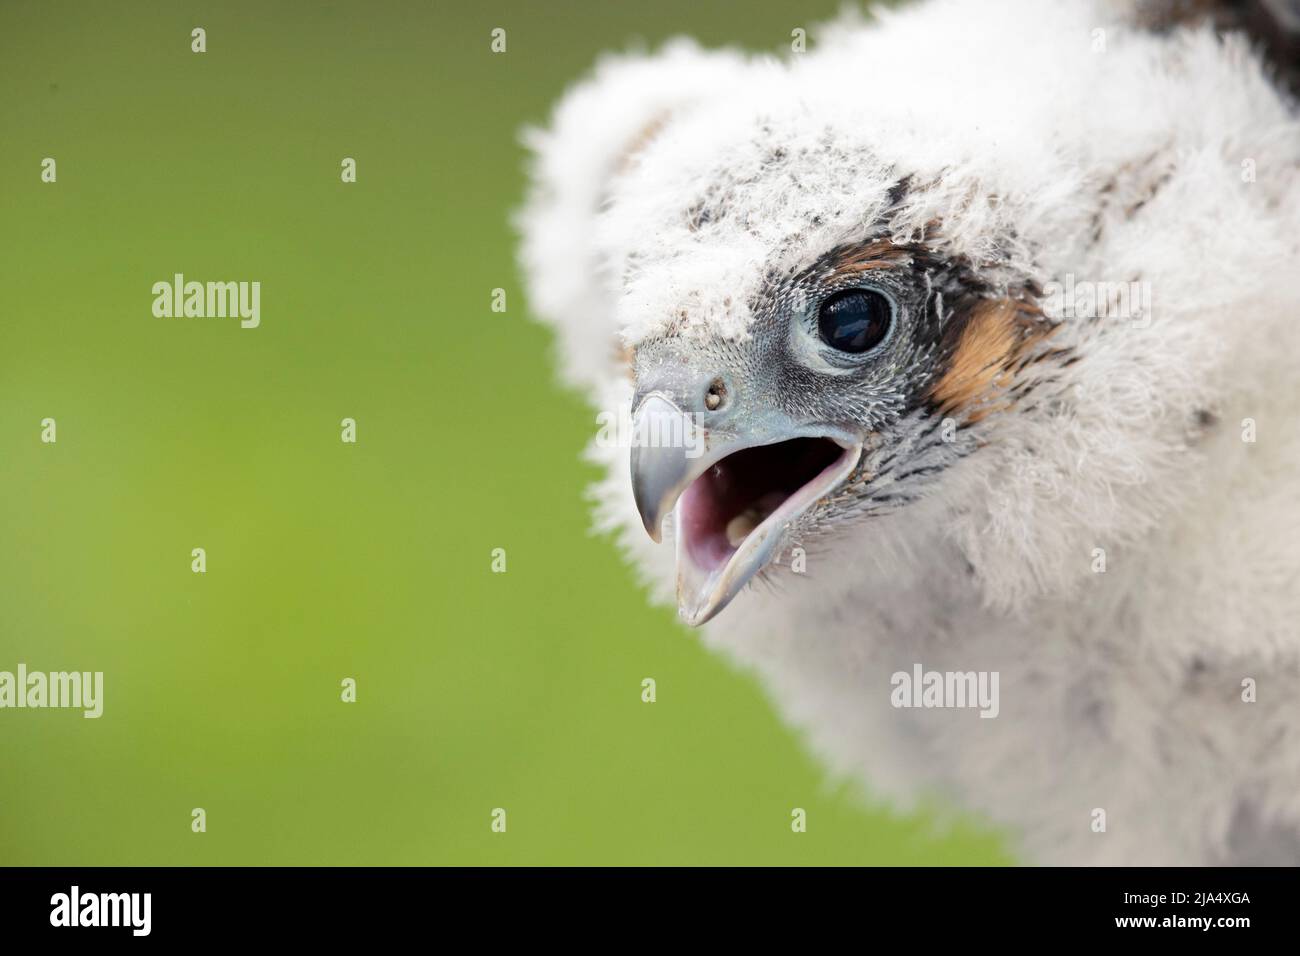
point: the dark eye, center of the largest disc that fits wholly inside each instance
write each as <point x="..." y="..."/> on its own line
<point x="854" y="320"/>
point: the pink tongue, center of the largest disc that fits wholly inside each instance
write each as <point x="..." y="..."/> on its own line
<point x="705" y="540"/>
<point x="711" y="535"/>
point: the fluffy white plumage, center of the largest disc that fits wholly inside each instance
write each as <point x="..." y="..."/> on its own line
<point x="1043" y="157"/>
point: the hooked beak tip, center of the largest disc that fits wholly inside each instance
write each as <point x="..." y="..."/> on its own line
<point x="659" y="469"/>
<point x="651" y="497"/>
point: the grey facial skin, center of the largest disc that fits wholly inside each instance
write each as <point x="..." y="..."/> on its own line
<point x="784" y="383"/>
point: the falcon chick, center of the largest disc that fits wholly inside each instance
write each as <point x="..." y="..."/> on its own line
<point x="983" y="322"/>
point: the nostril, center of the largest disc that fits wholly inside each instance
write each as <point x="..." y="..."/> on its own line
<point x="716" y="396"/>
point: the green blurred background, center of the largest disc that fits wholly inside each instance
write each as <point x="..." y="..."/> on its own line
<point x="326" y="560"/>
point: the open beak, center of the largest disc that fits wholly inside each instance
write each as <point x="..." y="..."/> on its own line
<point x="733" y="493"/>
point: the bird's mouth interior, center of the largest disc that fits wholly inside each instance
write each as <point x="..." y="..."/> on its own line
<point x="725" y="504"/>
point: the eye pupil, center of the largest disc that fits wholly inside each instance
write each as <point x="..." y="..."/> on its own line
<point x="854" y="320"/>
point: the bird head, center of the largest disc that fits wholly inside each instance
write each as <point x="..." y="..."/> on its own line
<point x="831" y="299"/>
<point x="821" y="317"/>
<point x="859" y="380"/>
